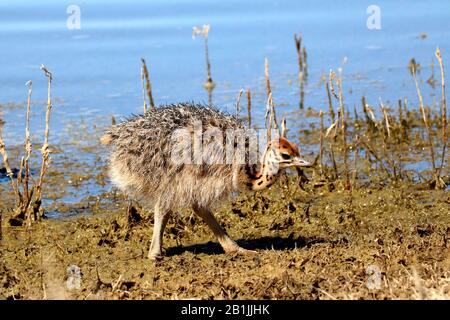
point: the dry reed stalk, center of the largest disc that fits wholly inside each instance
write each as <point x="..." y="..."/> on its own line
<point x="343" y="131"/>
<point x="443" y="110"/>
<point x="143" y="89"/>
<point x="249" y="107"/>
<point x="305" y="64"/>
<point x="44" y="150"/>
<point x="402" y="122"/>
<point x="298" y="46"/>
<point x="269" y="118"/>
<point x="424" y="116"/>
<point x="209" y="84"/>
<point x="9" y="172"/>
<point x="331" y="132"/>
<point x="301" y="68"/>
<point x="283" y="127"/>
<point x="330" y="103"/>
<point x="302" y="94"/>
<point x="148" y="84"/>
<point x="271" y="107"/>
<point x="355" y="163"/>
<point x="28" y="147"/>
<point x="321" y="142"/>
<point x="19" y="176"/>
<point x="355" y="114"/>
<point x="333" y="161"/>
<point x="400" y="111"/>
<point x="238" y="102"/>
<point x="331" y="77"/>
<point x="266" y="73"/>
<point x="386" y="119"/>
<point x="369" y="115"/>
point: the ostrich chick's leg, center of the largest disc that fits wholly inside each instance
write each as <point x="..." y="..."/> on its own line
<point x="161" y="218"/>
<point x="228" y="244"/>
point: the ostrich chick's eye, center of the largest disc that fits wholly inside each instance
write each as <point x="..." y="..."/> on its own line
<point x="285" y="156"/>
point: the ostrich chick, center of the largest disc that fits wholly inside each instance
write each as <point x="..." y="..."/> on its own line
<point x="145" y="163"/>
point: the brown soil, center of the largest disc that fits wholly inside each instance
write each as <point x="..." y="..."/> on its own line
<point x="312" y="244"/>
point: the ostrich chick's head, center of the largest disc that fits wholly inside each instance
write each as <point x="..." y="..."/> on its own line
<point x="281" y="154"/>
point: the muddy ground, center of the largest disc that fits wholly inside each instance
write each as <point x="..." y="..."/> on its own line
<point x="386" y="243"/>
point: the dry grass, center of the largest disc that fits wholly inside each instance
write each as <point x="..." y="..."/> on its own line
<point x="28" y="204"/>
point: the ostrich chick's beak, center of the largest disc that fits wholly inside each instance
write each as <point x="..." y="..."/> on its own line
<point x="299" y="162"/>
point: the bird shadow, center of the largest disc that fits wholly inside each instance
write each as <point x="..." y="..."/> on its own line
<point x="263" y="243"/>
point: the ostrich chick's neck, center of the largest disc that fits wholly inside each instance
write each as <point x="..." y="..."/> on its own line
<point x="263" y="178"/>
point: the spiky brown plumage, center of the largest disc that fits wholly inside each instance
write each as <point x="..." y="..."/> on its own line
<point x="142" y="167"/>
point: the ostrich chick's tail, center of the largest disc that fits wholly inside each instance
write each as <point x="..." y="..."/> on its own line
<point x="106" y="139"/>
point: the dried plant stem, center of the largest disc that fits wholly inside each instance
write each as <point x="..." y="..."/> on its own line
<point x="344" y="133"/>
<point x="301" y="71"/>
<point x="424" y="116"/>
<point x="44" y="150"/>
<point x="238" y="102"/>
<point x="28" y="147"/>
<point x="355" y="164"/>
<point x="209" y="82"/>
<point x="143" y="89"/>
<point x="321" y="142"/>
<point x="331" y="77"/>
<point x="305" y="64"/>
<point x="266" y="73"/>
<point x="443" y="110"/>
<point x="402" y="121"/>
<point x="148" y="84"/>
<point x="283" y="127"/>
<point x="270" y="105"/>
<point x="9" y="172"/>
<point x="249" y="107"/>
<point x="330" y="103"/>
<point x="269" y="118"/>
<point x="298" y="46"/>
<point x="370" y="117"/>
<point x="386" y="119"/>
<point x="333" y="161"/>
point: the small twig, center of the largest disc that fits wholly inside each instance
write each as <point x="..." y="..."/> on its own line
<point x="386" y="120"/>
<point x="269" y="118"/>
<point x="424" y="116"/>
<point x="321" y="142"/>
<point x="143" y="89"/>
<point x="9" y="172"/>
<point x="28" y="147"/>
<point x="270" y="105"/>
<point x="238" y="102"/>
<point x="331" y="77"/>
<point x="283" y="127"/>
<point x="330" y="102"/>
<point x="209" y="84"/>
<point x="301" y="71"/>
<point x="44" y="150"/>
<point x="443" y="110"/>
<point x="148" y="85"/>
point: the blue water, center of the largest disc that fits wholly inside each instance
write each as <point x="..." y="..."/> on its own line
<point x="97" y="68"/>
